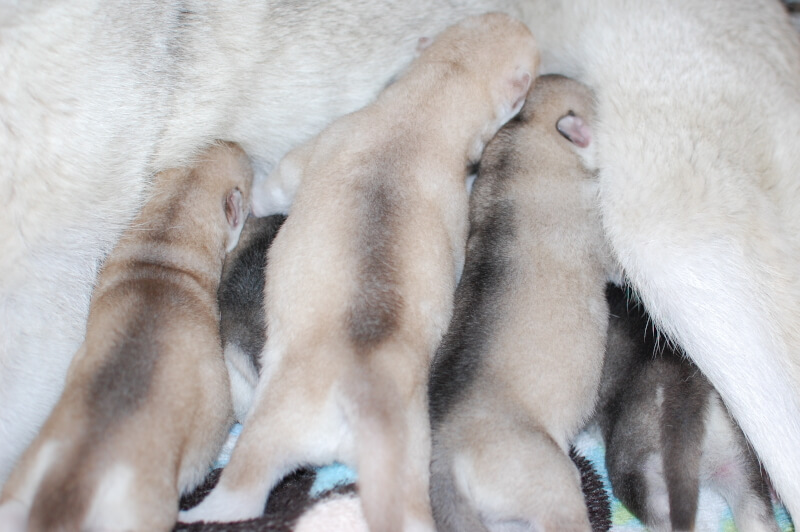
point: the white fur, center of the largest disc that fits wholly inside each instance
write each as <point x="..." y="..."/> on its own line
<point x="243" y="379"/>
<point x="342" y="514"/>
<point x="223" y="504"/>
<point x="727" y="469"/>
<point x="699" y="116"/>
<point x="657" y="493"/>
<point x="112" y="501"/>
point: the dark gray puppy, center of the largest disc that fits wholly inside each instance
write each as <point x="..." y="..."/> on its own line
<point x="667" y="431"/>
<point x="241" y="305"/>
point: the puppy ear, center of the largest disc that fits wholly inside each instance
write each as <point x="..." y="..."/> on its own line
<point x="574" y="129"/>
<point x="235" y="214"/>
<point x="515" y="91"/>
<point x="520" y="84"/>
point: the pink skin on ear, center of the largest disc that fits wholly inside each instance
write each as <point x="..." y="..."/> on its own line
<point x="235" y="214"/>
<point x="575" y="130"/>
<point x="519" y="87"/>
<point x="233" y="207"/>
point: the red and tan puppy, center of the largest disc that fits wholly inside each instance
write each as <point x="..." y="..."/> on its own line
<point x="361" y="277"/>
<point x="146" y="404"/>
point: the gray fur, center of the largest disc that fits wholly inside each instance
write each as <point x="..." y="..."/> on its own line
<point x="243" y="328"/>
<point x="508" y="388"/>
<point x="655" y="411"/>
<point x="241" y="292"/>
<point x="376" y="305"/>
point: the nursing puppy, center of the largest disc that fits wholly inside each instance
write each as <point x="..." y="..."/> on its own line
<point x="361" y="278"/>
<point x="696" y="141"/>
<point x="146" y="405"/>
<point x="242" y="325"/>
<point x="516" y="375"/>
<point x="667" y="431"/>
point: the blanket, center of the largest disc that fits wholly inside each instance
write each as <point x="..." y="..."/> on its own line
<point x="325" y="499"/>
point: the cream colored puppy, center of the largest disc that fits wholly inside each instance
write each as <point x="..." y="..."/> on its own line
<point x="146" y="404"/>
<point x="517" y="373"/>
<point x="361" y="278"/>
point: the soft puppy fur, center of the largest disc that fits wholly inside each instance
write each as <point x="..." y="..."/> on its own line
<point x="516" y="375"/>
<point x="146" y="405"/>
<point x="361" y="278"/>
<point x="667" y="431"/>
<point x="242" y="325"/>
<point x="698" y="116"/>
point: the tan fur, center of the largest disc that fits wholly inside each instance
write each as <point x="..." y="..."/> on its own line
<point x="146" y="404"/>
<point x="502" y="439"/>
<point x="361" y="278"/>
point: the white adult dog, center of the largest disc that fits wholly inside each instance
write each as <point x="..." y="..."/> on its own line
<point x="697" y="137"/>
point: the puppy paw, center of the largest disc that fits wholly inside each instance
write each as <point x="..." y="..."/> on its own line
<point x="224" y="506"/>
<point x="13" y="516"/>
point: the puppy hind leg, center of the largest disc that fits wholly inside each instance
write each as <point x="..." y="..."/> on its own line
<point x="20" y="491"/>
<point x="682" y="434"/>
<point x="714" y="303"/>
<point x="634" y="463"/>
<point x="734" y="471"/>
<point x="381" y="437"/>
<point x="451" y="509"/>
<point x="750" y="501"/>
<point x="416" y="479"/>
<point x="523" y="479"/>
<point x="283" y="431"/>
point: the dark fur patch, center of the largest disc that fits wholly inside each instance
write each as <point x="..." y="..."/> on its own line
<point x="376" y="305"/>
<point x="477" y="299"/>
<point x="241" y="293"/>
<point x="122" y="382"/>
<point x="638" y="364"/>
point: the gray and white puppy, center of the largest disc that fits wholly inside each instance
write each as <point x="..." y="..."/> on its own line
<point x="241" y="306"/>
<point x="517" y="373"/>
<point x="667" y="431"/>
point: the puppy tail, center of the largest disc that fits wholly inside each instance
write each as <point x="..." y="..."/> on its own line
<point x="380" y="442"/>
<point x="682" y="433"/>
<point x="451" y="510"/>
